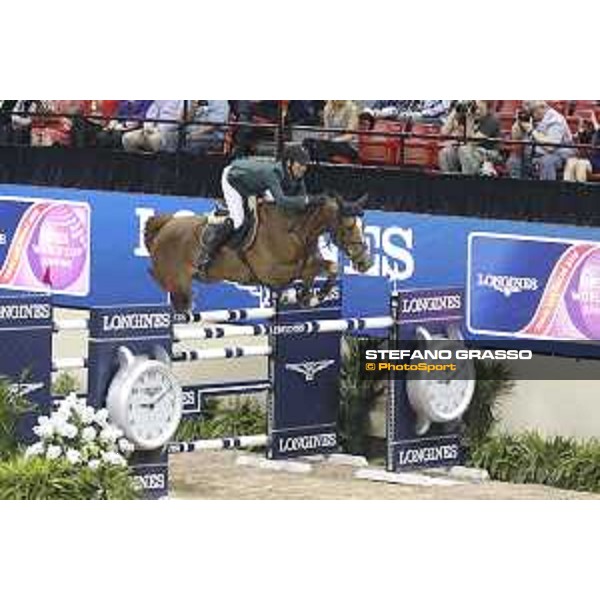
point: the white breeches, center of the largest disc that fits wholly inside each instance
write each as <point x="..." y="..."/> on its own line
<point x="234" y="201"/>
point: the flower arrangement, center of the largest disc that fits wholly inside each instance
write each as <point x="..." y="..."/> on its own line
<point x="80" y="435"/>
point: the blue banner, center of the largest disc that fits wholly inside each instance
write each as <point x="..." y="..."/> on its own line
<point x="410" y="250"/>
<point x="534" y="287"/>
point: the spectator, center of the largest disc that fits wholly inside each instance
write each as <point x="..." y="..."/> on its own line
<point x="418" y="110"/>
<point x="21" y="120"/>
<point x="95" y="117"/>
<point x="342" y="115"/>
<point x="6" y="109"/>
<point x="579" y="168"/>
<point x="129" y="116"/>
<point x="389" y="109"/>
<point x="261" y="112"/>
<point x="539" y="123"/>
<point x="304" y="113"/>
<point x="431" y="110"/>
<point x="476" y="157"/>
<point x="204" y="138"/>
<point x="52" y="122"/>
<point x="454" y="126"/>
<point x="155" y="135"/>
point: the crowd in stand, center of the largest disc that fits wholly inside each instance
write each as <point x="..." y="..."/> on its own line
<point x="533" y="139"/>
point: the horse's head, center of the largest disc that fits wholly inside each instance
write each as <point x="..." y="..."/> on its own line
<point x="347" y="232"/>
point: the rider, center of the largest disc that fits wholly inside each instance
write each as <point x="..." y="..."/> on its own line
<point x="280" y="182"/>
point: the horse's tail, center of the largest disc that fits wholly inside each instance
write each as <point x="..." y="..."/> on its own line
<point x="153" y="226"/>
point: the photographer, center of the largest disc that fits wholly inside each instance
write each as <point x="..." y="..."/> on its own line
<point x="587" y="161"/>
<point x="538" y="123"/>
<point x="477" y="156"/>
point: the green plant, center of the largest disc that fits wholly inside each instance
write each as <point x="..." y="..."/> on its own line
<point x="357" y="395"/>
<point x="13" y="405"/>
<point x="42" y="479"/>
<point x="493" y="382"/>
<point x="530" y="458"/>
<point x="238" y="416"/>
<point x="64" y="384"/>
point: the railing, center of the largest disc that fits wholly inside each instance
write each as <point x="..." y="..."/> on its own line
<point x="282" y="131"/>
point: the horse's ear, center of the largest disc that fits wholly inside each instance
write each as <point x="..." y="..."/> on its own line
<point x="362" y="201"/>
<point x="351" y="209"/>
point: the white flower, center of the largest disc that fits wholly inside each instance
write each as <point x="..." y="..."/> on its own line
<point x="65" y="429"/>
<point x="94" y="463"/>
<point x="88" y="434"/>
<point x="125" y="445"/>
<point x="34" y="450"/>
<point x="87" y="414"/>
<point x="45" y="430"/>
<point x="113" y="458"/>
<point x="43" y="420"/>
<point x="101" y="416"/>
<point x="71" y="431"/>
<point x="110" y="434"/>
<point x="53" y="452"/>
<point x="73" y="456"/>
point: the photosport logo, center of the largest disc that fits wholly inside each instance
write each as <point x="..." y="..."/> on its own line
<point x="507" y="284"/>
<point x="309" y="369"/>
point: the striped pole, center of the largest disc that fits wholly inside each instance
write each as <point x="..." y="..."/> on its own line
<point x="228" y="443"/>
<point x="183" y="333"/>
<point x="218" y="316"/>
<point x="220" y="353"/>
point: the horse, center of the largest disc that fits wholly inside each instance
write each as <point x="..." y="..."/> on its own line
<point x="283" y="247"/>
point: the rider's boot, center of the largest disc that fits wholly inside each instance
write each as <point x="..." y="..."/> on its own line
<point x="215" y="236"/>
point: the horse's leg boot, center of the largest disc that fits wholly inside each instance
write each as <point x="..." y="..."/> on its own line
<point x="215" y="235"/>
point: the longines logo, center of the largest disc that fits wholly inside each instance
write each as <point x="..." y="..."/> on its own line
<point x="151" y="481"/>
<point x="308" y="442"/>
<point x="433" y="304"/>
<point x="136" y="321"/>
<point x="423" y="456"/>
<point x="22" y="312"/>
<point x="25" y="389"/>
<point x="507" y="284"/>
<point x="310" y="368"/>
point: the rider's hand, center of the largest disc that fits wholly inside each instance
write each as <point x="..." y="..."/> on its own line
<point x="316" y="200"/>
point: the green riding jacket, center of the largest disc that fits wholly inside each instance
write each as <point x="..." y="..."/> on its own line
<point x="253" y="177"/>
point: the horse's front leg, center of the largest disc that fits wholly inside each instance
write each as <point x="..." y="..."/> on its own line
<point x="317" y="266"/>
<point x="330" y="268"/>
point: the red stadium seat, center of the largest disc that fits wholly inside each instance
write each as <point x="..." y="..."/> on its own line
<point x="509" y="107"/>
<point x="381" y="150"/>
<point x="581" y="107"/>
<point x="422" y="152"/>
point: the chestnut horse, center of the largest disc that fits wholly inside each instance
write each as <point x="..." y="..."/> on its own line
<point x="282" y="248"/>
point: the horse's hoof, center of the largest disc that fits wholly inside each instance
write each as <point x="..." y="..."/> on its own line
<point x="314" y="301"/>
<point x="290" y="296"/>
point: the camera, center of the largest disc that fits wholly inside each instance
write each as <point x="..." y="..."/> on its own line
<point x="464" y="107"/>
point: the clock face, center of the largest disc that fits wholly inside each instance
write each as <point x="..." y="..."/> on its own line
<point x="153" y="408"/>
<point x="447" y="397"/>
<point x="145" y="400"/>
<point x="443" y="397"/>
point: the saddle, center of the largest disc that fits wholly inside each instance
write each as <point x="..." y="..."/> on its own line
<point x="242" y="240"/>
